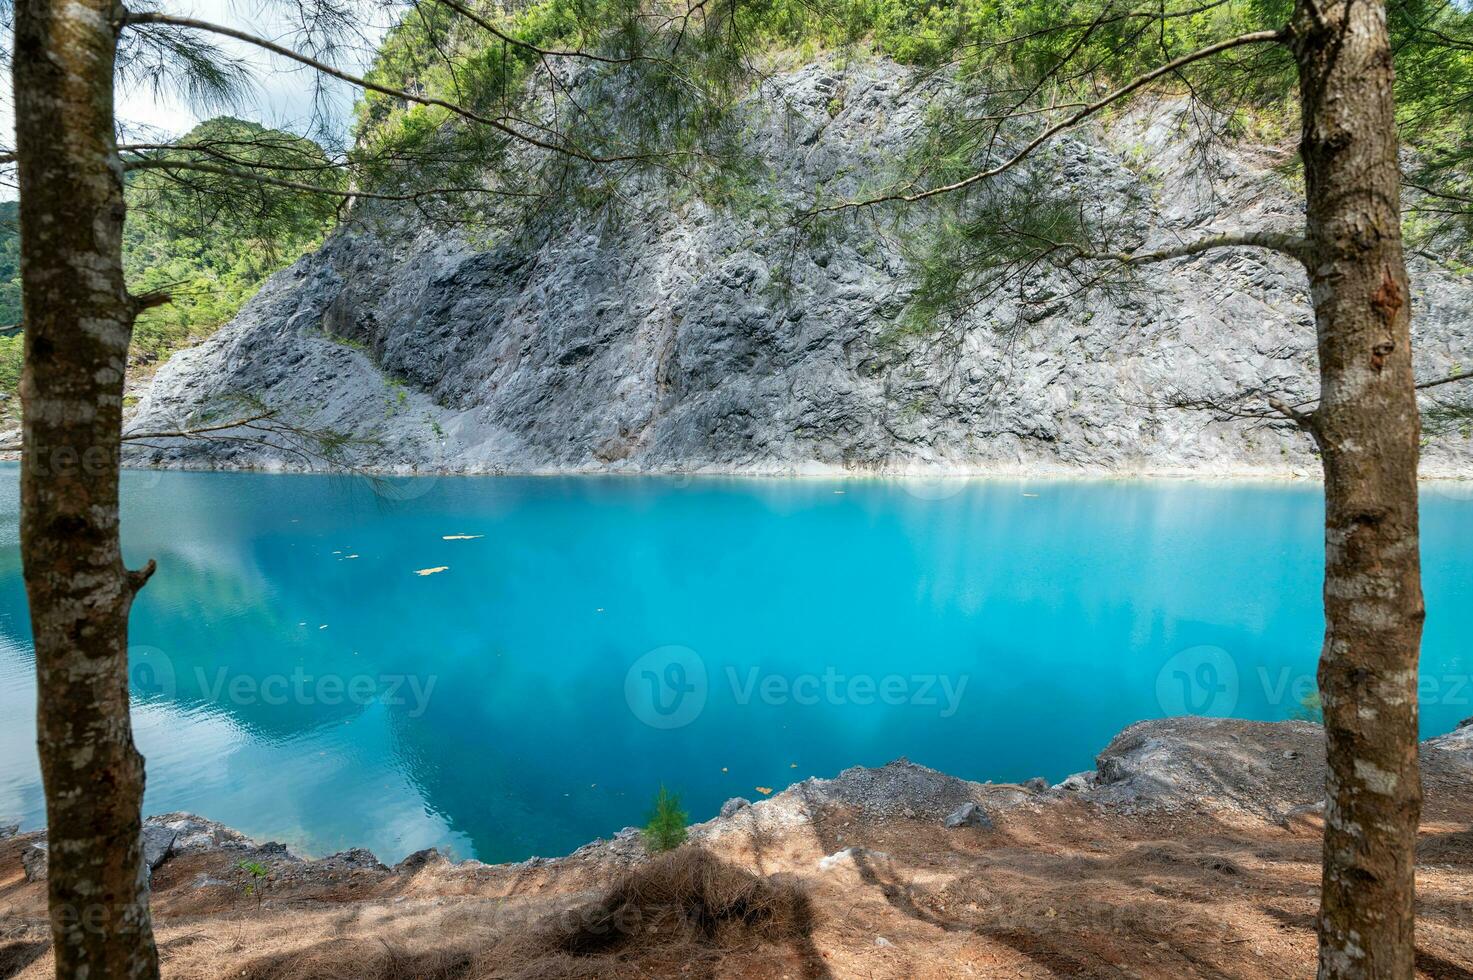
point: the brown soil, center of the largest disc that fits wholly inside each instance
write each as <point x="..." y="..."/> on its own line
<point x="812" y="883"/>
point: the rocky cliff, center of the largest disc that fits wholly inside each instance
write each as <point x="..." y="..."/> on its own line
<point x="698" y="339"/>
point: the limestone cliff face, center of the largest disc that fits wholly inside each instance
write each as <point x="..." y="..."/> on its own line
<point x="698" y="340"/>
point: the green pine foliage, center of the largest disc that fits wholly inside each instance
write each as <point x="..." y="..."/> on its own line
<point x="1021" y="56"/>
<point x="659" y="99"/>
<point x="1310" y="708"/>
<point x="672" y="95"/>
<point x="665" y="830"/>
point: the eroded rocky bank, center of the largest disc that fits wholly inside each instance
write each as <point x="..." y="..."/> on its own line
<point x="1190" y="850"/>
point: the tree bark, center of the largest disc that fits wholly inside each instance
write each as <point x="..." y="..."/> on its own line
<point x="79" y="320"/>
<point x="1367" y="429"/>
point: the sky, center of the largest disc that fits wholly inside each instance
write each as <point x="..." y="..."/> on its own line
<point x="281" y="94"/>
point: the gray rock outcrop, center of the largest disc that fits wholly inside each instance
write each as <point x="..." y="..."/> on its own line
<point x="423" y="858"/>
<point x="693" y="338"/>
<point x="158" y="844"/>
<point x="353" y="859"/>
<point x="1263" y="767"/>
<point x="35" y="860"/>
<point x="731" y="806"/>
<point x="1268" y="771"/>
<point x="969" y="815"/>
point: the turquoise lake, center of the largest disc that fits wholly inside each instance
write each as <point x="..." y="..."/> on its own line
<point x="574" y="643"/>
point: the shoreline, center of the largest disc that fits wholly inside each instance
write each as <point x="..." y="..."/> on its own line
<point x="1441" y="472"/>
<point x="1161" y="762"/>
<point x="1000" y="474"/>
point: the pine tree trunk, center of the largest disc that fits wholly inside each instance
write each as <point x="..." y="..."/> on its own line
<point x="1367" y="429"/>
<point x="78" y="321"/>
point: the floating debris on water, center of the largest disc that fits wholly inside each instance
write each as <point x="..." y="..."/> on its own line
<point x="764" y="790"/>
<point x="461" y="537"/>
<point x="431" y="571"/>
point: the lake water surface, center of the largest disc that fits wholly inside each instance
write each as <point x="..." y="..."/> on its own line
<point x="586" y="640"/>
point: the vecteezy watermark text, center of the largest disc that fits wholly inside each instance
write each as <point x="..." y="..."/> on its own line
<point x="1206" y="680"/>
<point x="832" y="687"/>
<point x="668" y="687"/>
<point x="151" y="674"/>
<point x="302" y="688"/>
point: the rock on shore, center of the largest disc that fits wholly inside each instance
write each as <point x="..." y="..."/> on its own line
<point x="1261" y="771"/>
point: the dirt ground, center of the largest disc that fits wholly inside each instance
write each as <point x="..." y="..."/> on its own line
<point x="1060" y="886"/>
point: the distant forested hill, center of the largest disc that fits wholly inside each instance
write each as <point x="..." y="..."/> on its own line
<point x="209" y="251"/>
<point x="9" y="263"/>
<point x="10" y="347"/>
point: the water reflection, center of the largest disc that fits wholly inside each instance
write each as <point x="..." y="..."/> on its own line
<point x="296" y="678"/>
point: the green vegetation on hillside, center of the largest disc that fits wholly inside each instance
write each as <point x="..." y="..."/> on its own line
<point x="662" y="94"/>
<point x="1024" y="41"/>
<point x="10" y="347"/>
<point x="208" y="240"/>
<point x="9" y="262"/>
<point x="678" y="78"/>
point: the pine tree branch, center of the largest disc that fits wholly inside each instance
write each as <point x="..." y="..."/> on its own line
<point x="1256" y="37"/>
<point x="185" y="433"/>
<point x="155" y="17"/>
<point x="1436" y="382"/>
<point x="1293" y="246"/>
<point x="241" y="174"/>
<point x="200" y="430"/>
<point x="1301" y="413"/>
<point x="1155" y="14"/>
<point x="1305" y="420"/>
<point x="516" y="42"/>
<point x="150" y="151"/>
<point x="138" y="578"/>
<point x="1433" y="192"/>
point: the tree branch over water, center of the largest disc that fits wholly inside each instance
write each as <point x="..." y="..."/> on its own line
<point x="1245" y="406"/>
<point x="263" y="426"/>
<point x="1293" y="246"/>
<point x="1135" y="84"/>
<point x="347" y="194"/>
